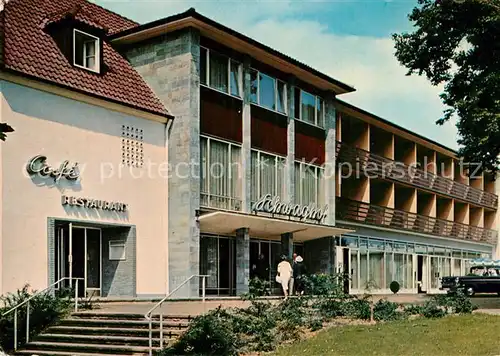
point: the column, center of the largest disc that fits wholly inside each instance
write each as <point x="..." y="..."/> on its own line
<point x="246" y="157"/>
<point x="330" y="149"/>
<point x="242" y="260"/>
<point x="287" y="244"/>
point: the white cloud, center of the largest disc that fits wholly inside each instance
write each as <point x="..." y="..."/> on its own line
<point x="367" y="63"/>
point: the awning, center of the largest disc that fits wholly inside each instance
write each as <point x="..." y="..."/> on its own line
<point x="226" y="223"/>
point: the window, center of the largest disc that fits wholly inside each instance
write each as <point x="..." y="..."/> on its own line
<point x="86" y="51"/>
<point x="308" y="184"/>
<point x="311" y="109"/>
<point x="267" y="91"/>
<point x="220" y="174"/>
<point x="117" y="251"/>
<point x="219" y="72"/>
<point x="268" y="175"/>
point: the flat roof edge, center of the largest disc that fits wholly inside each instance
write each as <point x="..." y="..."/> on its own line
<point x="191" y="13"/>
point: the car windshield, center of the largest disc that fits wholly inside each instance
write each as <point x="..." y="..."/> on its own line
<point x="485" y="271"/>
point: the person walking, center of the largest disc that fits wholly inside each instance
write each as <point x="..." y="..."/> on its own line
<point x="284" y="274"/>
<point x="299" y="270"/>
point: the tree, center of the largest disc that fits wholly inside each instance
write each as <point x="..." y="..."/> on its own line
<point x="457" y="43"/>
<point x="4" y="129"/>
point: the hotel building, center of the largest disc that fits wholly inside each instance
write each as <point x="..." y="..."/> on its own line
<point x="259" y="153"/>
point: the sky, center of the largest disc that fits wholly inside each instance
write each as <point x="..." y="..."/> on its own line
<point x="348" y="40"/>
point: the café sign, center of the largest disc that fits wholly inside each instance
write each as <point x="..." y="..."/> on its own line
<point x="93" y="204"/>
<point x="273" y="205"/>
<point x="38" y="165"/>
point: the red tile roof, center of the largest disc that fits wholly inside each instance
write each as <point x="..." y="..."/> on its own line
<point x="31" y="51"/>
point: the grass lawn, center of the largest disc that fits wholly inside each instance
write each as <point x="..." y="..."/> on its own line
<point x="474" y="335"/>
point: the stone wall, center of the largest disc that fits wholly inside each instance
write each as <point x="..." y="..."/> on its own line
<point x="170" y="65"/>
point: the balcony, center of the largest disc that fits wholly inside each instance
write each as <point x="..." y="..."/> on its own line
<point x="370" y="214"/>
<point x="385" y="168"/>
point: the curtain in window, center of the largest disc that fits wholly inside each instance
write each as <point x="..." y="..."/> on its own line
<point x="219" y="166"/>
<point x="254" y="179"/>
<point x="280" y="178"/>
<point x="377" y="270"/>
<point x="235" y="172"/>
<point x="90" y="53"/>
<point x="281" y="97"/>
<point x="308" y="107"/>
<point x="309" y="192"/>
<point x="320" y="112"/>
<point x="267" y="91"/>
<point x="298" y="183"/>
<point x="267" y="174"/>
<point x="235" y="78"/>
<point x="204" y="165"/>
<point x="219" y="72"/>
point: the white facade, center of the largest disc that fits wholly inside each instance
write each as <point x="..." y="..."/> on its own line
<point x="65" y="129"/>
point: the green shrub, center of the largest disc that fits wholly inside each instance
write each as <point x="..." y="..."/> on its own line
<point x="357" y="308"/>
<point x="386" y="311"/>
<point x="394" y="286"/>
<point x="413" y="309"/>
<point x="456" y="301"/>
<point x="431" y="309"/>
<point x="324" y="284"/>
<point x="45" y="309"/>
<point x="257" y="288"/>
<point x="208" y="334"/>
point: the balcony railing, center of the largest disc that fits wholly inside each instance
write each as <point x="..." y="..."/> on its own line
<point x="397" y="171"/>
<point x="364" y="213"/>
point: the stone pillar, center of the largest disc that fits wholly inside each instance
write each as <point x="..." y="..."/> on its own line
<point x="287" y="244"/>
<point x="330" y="148"/>
<point x="170" y="64"/>
<point x="246" y="157"/>
<point x="290" y="158"/>
<point x="242" y="260"/>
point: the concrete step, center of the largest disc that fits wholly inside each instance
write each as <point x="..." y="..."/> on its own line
<point x="129" y="316"/>
<point x="101" y="339"/>
<point x="122" y="322"/>
<point x="118" y="331"/>
<point x="73" y="348"/>
<point x="31" y="352"/>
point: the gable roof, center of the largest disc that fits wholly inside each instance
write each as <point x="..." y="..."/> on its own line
<point x="30" y="51"/>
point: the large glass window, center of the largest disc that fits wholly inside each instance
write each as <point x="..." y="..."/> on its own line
<point x="220" y="174"/>
<point x="268" y="175"/>
<point x="308" y="184"/>
<point x="220" y="72"/>
<point x="312" y="109"/>
<point x="267" y="91"/>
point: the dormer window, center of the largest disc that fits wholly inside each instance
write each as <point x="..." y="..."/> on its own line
<point x="86" y="51"/>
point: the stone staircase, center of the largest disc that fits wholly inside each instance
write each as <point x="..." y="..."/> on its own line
<point x="90" y="333"/>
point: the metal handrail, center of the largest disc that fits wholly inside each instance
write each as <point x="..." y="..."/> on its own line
<point x="149" y="314"/>
<point x="27" y="303"/>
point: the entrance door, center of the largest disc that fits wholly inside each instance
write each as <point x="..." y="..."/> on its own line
<point x="93" y="255"/>
<point x="435" y="273"/>
<point x="78" y="254"/>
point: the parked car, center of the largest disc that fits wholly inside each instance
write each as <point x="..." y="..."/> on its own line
<point x="482" y="278"/>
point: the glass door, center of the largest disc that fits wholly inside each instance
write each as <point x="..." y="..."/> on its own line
<point x="93" y="252"/>
<point x="354" y="271"/>
<point x="435" y="272"/>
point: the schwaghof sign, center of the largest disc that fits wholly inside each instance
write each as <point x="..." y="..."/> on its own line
<point x="38" y="165"/>
<point x="273" y="205"/>
<point x="93" y="203"/>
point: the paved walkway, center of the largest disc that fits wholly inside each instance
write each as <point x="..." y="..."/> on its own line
<point x="197" y="307"/>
